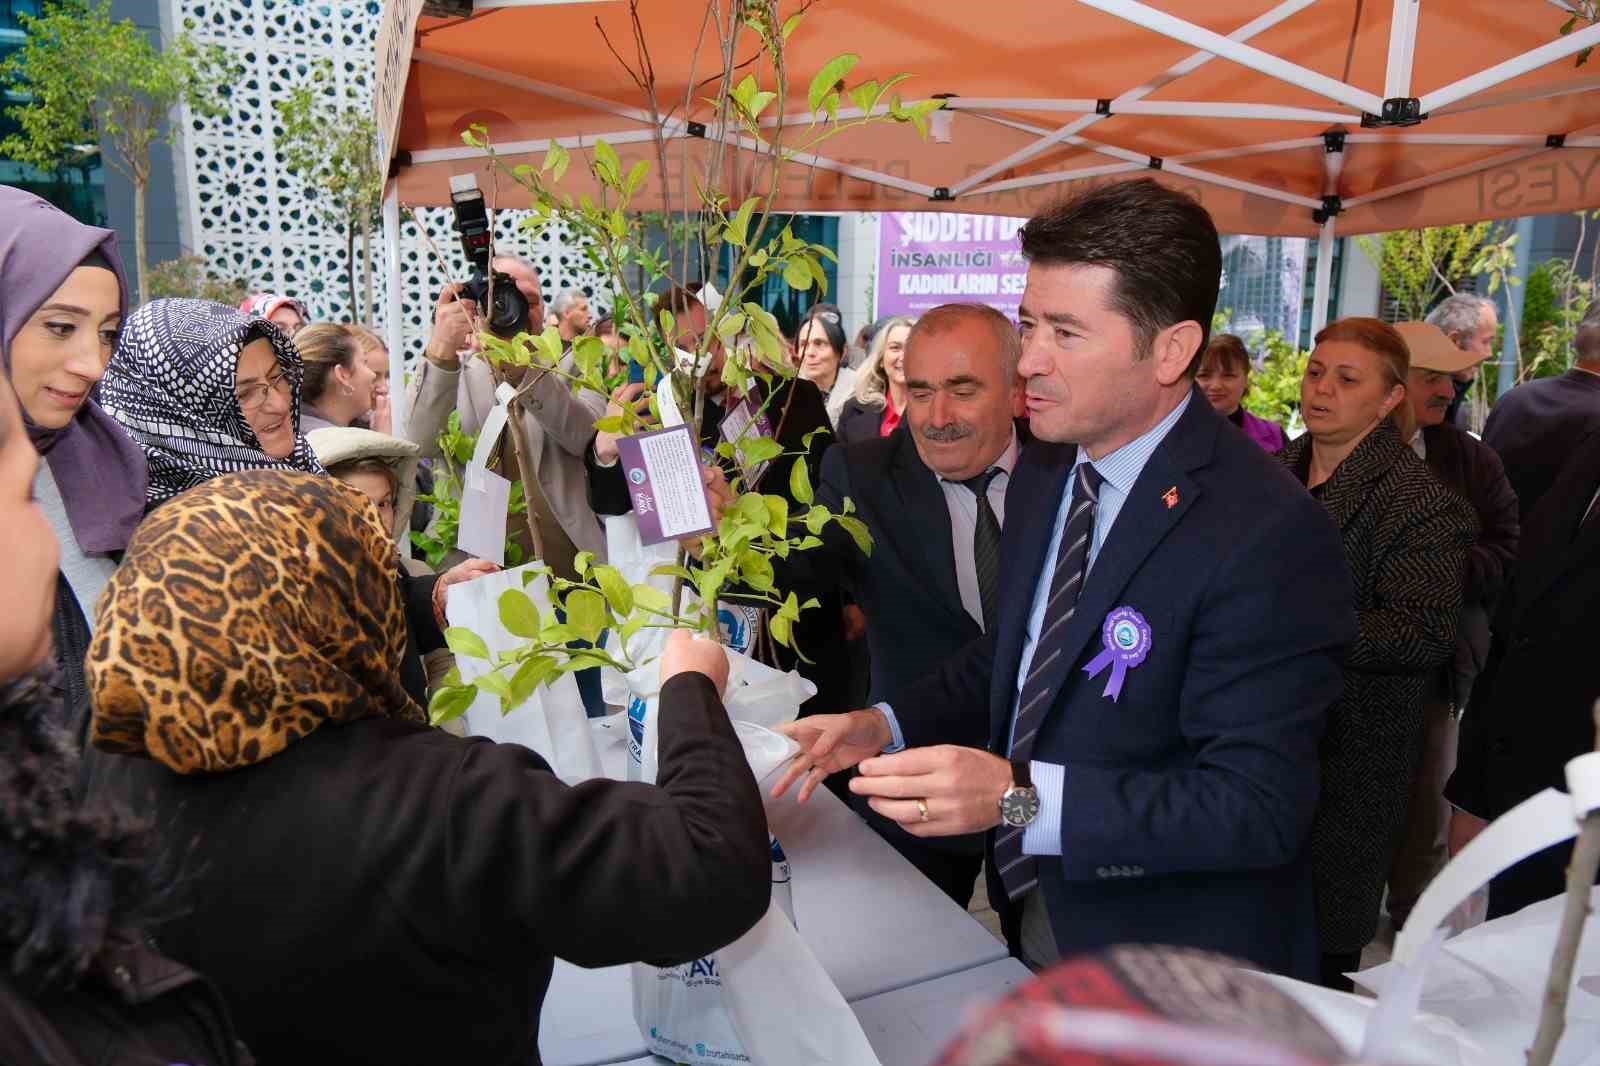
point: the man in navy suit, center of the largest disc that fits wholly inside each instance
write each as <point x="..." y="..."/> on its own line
<point x="1174" y="617"/>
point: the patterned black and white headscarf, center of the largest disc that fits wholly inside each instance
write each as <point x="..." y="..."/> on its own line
<point x="171" y="385"/>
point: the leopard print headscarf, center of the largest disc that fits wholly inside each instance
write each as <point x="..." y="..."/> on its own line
<point x="247" y="612"/>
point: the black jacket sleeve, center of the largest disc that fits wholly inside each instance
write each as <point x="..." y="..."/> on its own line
<point x="1489" y="560"/>
<point x="608" y="487"/>
<point x="948" y="697"/>
<point x="608" y="872"/>
<point x="417" y="592"/>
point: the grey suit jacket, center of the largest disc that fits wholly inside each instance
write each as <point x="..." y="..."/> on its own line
<point x="556" y="429"/>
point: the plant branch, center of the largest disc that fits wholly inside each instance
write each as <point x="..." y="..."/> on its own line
<point x="1580" y="883"/>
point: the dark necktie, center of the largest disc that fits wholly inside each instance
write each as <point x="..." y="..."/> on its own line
<point x="986" y="548"/>
<point x="1019" y="872"/>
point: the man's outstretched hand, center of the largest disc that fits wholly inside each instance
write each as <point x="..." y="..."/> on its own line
<point x="830" y="743"/>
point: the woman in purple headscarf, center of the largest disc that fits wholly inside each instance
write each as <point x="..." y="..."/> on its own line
<point x="62" y="298"/>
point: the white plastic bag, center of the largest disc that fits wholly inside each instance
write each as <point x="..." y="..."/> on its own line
<point x="552" y="721"/>
<point x="764" y="998"/>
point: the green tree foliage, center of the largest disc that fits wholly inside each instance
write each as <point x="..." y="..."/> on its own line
<point x="1538" y="311"/>
<point x="755" y="528"/>
<point x="1274" y="392"/>
<point x="83" y="79"/>
<point x="1419" y="267"/>
<point x="329" y="140"/>
<point x="191" y="276"/>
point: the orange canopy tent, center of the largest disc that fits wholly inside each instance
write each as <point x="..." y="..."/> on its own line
<point x="1301" y="118"/>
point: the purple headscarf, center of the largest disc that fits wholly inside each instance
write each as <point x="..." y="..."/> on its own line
<point x="97" y="467"/>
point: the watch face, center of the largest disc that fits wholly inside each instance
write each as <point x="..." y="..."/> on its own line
<point x="1019" y="806"/>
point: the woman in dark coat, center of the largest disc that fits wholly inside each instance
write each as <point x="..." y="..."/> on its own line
<point x="78" y="981"/>
<point x="363" y="888"/>
<point x="1405" y="540"/>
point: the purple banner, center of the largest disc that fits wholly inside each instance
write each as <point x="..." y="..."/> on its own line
<point x="926" y="259"/>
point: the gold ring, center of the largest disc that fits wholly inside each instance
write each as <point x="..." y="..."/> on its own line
<point x="922" y="809"/>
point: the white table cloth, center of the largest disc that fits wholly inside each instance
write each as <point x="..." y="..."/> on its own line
<point x="874" y="923"/>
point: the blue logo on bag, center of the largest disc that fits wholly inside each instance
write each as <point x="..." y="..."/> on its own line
<point x="636" y="709"/>
<point x="735" y="625"/>
<point x="777" y="851"/>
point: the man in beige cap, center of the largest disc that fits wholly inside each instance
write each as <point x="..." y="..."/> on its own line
<point x="1473" y="471"/>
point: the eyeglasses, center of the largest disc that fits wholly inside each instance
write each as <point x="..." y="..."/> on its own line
<point x="255" y="394"/>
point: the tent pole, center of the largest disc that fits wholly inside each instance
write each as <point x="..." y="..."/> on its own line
<point x="1511" y="352"/>
<point x="1170" y="26"/>
<point x="1324" y="283"/>
<point x="1402" y="48"/>
<point x="1517" y="66"/>
<point x="394" y="311"/>
<point x="1194" y="62"/>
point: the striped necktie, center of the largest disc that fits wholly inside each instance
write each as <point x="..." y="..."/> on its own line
<point x="986" y="548"/>
<point x="1019" y="872"/>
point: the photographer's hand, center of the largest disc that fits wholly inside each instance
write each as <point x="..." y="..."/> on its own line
<point x="454" y="320"/>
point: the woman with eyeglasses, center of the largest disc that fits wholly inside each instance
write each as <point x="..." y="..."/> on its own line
<point x="206" y="390"/>
<point x="63" y="300"/>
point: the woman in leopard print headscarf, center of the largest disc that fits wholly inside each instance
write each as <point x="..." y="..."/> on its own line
<point x="343" y="857"/>
<point x="226" y="638"/>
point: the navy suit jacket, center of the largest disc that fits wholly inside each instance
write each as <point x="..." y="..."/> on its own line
<point x="1187" y="803"/>
<point x="1537" y="426"/>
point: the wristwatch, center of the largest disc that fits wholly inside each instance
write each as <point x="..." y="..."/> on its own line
<point x="1019" y="804"/>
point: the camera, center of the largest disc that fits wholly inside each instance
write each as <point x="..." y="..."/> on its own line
<point x="507" y="312"/>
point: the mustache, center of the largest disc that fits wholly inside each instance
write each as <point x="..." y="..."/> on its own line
<point x="945" y="434"/>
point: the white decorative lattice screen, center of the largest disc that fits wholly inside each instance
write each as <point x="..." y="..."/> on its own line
<point x="247" y="214"/>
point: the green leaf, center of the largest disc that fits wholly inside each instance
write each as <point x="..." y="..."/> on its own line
<point x="586" y="613"/>
<point x="556" y="159"/>
<point x="607" y="167"/>
<point x="648" y="597"/>
<point x="752" y="510"/>
<point x="829" y="76"/>
<point x="782" y="630"/>
<point x="797" y="273"/>
<point x="739" y="224"/>
<point x="518" y="614"/>
<point x="464" y="641"/>
<point x="791" y="23"/>
<point x="618" y="593"/>
<point x="636" y="176"/>
<point x="800" y="482"/>
<point x="493" y="683"/>
<point x="450" y="702"/>
<point x="759" y="102"/>
<point x="529" y="676"/>
<point x="631" y="627"/>
<point x="755" y="570"/>
<point x="756" y="450"/>
<point x="777" y="515"/>
<point x="858" y="532"/>
<point x="582" y="562"/>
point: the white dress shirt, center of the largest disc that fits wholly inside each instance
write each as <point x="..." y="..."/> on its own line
<point x="963" y="505"/>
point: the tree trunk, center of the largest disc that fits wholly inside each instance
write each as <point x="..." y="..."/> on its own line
<point x="366" y="263"/>
<point x="140" y="262"/>
<point x="350" y="262"/>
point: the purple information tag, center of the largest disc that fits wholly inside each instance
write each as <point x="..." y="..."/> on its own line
<point x="734" y="423"/>
<point x="662" y="469"/>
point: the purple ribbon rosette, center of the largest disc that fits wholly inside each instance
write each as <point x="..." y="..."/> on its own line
<point x="1126" y="636"/>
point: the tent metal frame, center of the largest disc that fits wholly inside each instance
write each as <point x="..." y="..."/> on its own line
<point x="1397" y="107"/>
